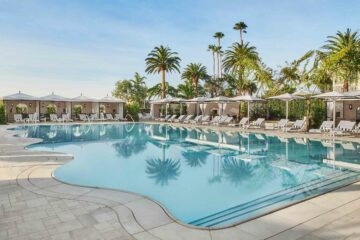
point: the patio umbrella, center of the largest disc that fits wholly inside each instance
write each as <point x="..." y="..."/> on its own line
<point x="248" y="99"/>
<point x="286" y="97"/>
<point x="220" y="100"/>
<point x="333" y="96"/>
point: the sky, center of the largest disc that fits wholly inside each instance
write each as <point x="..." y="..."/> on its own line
<point x="84" y="46"/>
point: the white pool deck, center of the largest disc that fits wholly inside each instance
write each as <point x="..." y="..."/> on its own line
<point x="34" y="205"/>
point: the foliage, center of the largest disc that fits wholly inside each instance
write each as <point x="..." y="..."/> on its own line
<point x="2" y="114"/>
<point x="51" y="109"/>
<point x="241" y="27"/>
<point x="156" y="90"/>
<point x="162" y="59"/>
<point x="133" y="90"/>
<point x="133" y="109"/>
<point x="195" y="72"/>
<point x="77" y="109"/>
<point x="21" y="108"/>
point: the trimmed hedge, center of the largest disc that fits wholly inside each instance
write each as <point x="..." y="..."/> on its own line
<point x="2" y="114"/>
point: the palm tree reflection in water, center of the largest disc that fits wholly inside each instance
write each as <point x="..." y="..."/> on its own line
<point x="195" y="158"/>
<point x="236" y="171"/>
<point x="163" y="170"/>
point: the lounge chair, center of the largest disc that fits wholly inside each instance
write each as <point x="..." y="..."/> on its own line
<point x="189" y="118"/>
<point x="84" y="117"/>
<point x="244" y="122"/>
<point x="214" y="120"/>
<point x="172" y="118"/>
<point x="53" y="118"/>
<point x="357" y="128"/>
<point x="281" y="124"/>
<point x="259" y="123"/>
<point x="221" y="120"/>
<point x="165" y="118"/>
<point x="18" y="118"/>
<point x="179" y="119"/>
<point x="298" y="126"/>
<point x="326" y="126"/>
<point x="109" y="117"/>
<point x="344" y="127"/>
<point x="102" y="117"/>
<point x="205" y="118"/>
<point x="66" y="117"/>
<point x="119" y="118"/>
<point x="197" y="119"/>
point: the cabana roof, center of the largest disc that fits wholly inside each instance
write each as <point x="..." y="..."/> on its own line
<point x="54" y="98"/>
<point x="19" y="96"/>
<point x="332" y="95"/>
<point x="198" y="99"/>
<point x="111" y="99"/>
<point x="286" y="97"/>
<point x="83" y="98"/>
<point x="219" y="99"/>
<point x="247" y="98"/>
<point x="167" y="100"/>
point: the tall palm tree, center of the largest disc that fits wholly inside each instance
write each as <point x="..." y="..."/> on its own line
<point x="343" y="56"/>
<point x="194" y="72"/>
<point x="219" y="36"/>
<point x="185" y="90"/>
<point x="162" y="59"/>
<point x="212" y="49"/>
<point x="156" y="90"/>
<point x="240" y="26"/>
<point x="241" y="60"/>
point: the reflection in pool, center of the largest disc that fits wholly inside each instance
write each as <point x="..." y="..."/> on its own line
<point x="203" y="177"/>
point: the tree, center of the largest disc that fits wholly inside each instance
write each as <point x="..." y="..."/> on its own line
<point x="123" y="90"/>
<point x="342" y="57"/>
<point x="131" y="90"/>
<point x="194" y="72"/>
<point x="185" y="90"/>
<point x="156" y="90"/>
<point x="162" y="59"/>
<point x="219" y="36"/>
<point x="138" y="89"/>
<point x="212" y="49"/>
<point x="241" y="27"/>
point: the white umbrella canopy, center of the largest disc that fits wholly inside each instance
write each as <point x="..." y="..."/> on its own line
<point x="306" y="91"/>
<point x="333" y="96"/>
<point x="19" y="96"/>
<point x="219" y="99"/>
<point x="111" y="99"/>
<point x="197" y="99"/>
<point x="54" y="98"/>
<point x="248" y="99"/>
<point x="287" y="97"/>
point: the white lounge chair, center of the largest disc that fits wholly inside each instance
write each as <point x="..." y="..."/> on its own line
<point x="258" y="123"/>
<point x="326" y="126"/>
<point x="197" y="119"/>
<point x="119" y="118"/>
<point x="18" y="118"/>
<point x="173" y="117"/>
<point x="297" y="126"/>
<point x="102" y="117"/>
<point x="221" y="120"/>
<point x="84" y="117"/>
<point x="180" y="118"/>
<point x="344" y="127"/>
<point x="53" y="118"/>
<point x="205" y="118"/>
<point x="214" y="120"/>
<point x="244" y="122"/>
<point x="165" y="118"/>
<point x="357" y="128"/>
<point x="109" y="117"/>
<point x="188" y="118"/>
<point x="282" y="124"/>
<point x="66" y="117"/>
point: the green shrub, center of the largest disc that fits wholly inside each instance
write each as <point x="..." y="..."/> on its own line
<point x="132" y="109"/>
<point x="2" y="114"/>
<point x="318" y="113"/>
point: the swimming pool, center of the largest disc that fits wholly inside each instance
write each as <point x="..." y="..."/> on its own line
<point x="202" y="177"/>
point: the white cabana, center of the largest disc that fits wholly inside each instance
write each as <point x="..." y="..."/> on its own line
<point x="287" y="97"/>
<point x="56" y="100"/>
<point x="112" y="105"/>
<point x="156" y="104"/>
<point x="85" y="101"/>
<point x="19" y="99"/>
<point x="196" y="102"/>
<point x="248" y="99"/>
<point x="333" y="96"/>
<point x="19" y="96"/>
<point x="222" y="101"/>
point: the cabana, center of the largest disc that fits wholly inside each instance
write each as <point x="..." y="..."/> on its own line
<point x="155" y="105"/>
<point x="194" y="105"/>
<point x="20" y="103"/>
<point x="55" y="104"/>
<point x="249" y="99"/>
<point x="111" y="105"/>
<point x="84" y="105"/>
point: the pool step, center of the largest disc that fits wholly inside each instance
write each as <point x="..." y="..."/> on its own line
<point x="278" y="198"/>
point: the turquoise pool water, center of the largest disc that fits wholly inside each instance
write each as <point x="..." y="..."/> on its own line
<point x="202" y="177"/>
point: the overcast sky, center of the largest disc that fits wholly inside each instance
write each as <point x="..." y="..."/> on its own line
<point x="74" y="46"/>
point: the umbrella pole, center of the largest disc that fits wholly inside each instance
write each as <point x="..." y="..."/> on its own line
<point x="287" y="114"/>
<point x="334" y="113"/>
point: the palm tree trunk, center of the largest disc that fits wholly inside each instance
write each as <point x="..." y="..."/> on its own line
<point x="346" y="86"/>
<point x="214" y="64"/>
<point x="163" y="86"/>
<point x="241" y="38"/>
<point x="218" y="65"/>
<point x="195" y="82"/>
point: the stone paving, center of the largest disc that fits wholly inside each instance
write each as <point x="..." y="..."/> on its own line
<point x="33" y="205"/>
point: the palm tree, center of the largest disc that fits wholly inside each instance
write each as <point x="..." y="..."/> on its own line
<point x="162" y="59"/>
<point x="185" y="90"/>
<point x="194" y="72"/>
<point x="241" y="60"/>
<point x="240" y="26"/>
<point x="212" y="48"/>
<point x="219" y="36"/>
<point x="342" y="53"/>
<point x="156" y="90"/>
<point x="139" y="88"/>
